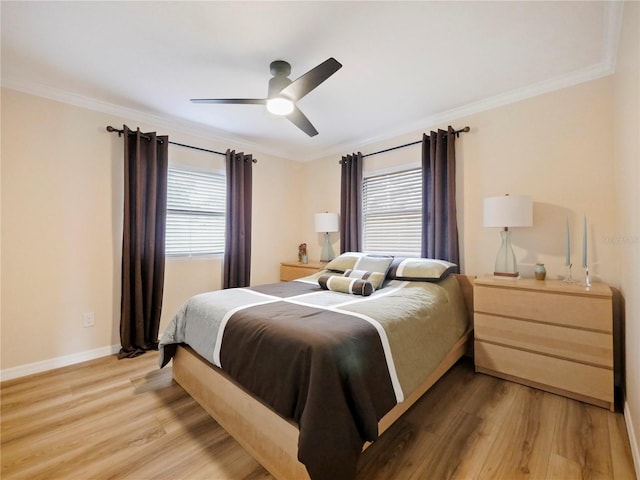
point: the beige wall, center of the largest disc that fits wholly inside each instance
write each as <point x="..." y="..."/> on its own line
<point x="556" y="147"/>
<point x="627" y="240"/>
<point x="62" y="187"/>
<point x="58" y="233"/>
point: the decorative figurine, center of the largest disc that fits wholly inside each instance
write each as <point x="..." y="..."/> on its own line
<point x="302" y="253"/>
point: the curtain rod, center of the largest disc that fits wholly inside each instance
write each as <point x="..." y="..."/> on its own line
<point x="121" y="132"/>
<point x="455" y="132"/>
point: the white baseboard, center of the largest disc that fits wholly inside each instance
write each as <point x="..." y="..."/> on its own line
<point x="633" y="439"/>
<point x="44" y="365"/>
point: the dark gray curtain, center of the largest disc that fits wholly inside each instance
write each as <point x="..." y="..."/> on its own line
<point x="439" y="222"/>
<point x="351" y="203"/>
<point x="143" y="248"/>
<point x="237" y="251"/>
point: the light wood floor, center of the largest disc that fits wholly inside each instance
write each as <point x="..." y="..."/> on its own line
<point x="110" y="419"/>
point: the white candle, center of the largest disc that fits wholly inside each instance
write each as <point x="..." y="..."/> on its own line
<point x="584" y="244"/>
<point x="567" y="261"/>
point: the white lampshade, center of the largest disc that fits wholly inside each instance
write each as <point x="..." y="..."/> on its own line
<point x="327" y="222"/>
<point x="508" y="211"/>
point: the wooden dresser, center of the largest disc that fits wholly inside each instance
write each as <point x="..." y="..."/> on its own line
<point x="550" y="335"/>
<point x="292" y="270"/>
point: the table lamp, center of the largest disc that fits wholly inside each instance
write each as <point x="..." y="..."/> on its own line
<point x="507" y="211"/>
<point x="327" y="223"/>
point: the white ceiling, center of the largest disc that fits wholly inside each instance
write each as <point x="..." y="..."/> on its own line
<point x="406" y="65"/>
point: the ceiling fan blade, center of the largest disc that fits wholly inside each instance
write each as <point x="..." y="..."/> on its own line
<point x="302" y="122"/>
<point x="237" y="101"/>
<point x="310" y="80"/>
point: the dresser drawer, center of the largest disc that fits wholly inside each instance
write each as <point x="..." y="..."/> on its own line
<point x="588" y="312"/>
<point x="292" y="271"/>
<point x="584" y="346"/>
<point x="547" y="373"/>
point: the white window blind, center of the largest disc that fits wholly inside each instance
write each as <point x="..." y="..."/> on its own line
<point x="195" y="212"/>
<point x="392" y="213"/>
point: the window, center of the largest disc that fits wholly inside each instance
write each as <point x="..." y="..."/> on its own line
<point x="195" y="212"/>
<point x="392" y="212"/>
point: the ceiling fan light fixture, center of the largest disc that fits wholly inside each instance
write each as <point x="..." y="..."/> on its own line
<point x="284" y="93"/>
<point x="280" y="106"/>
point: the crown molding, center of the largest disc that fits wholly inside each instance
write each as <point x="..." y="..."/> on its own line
<point x="592" y="73"/>
<point x="157" y="120"/>
<point x="612" y="24"/>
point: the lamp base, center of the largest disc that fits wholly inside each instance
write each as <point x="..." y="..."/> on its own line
<point x="327" y="253"/>
<point x="506" y="259"/>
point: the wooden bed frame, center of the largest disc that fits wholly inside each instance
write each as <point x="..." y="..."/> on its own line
<point x="269" y="438"/>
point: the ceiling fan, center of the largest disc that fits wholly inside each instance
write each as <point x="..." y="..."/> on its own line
<point x="284" y="93"/>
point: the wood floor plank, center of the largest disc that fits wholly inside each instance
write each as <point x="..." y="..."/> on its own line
<point x="522" y="447"/>
<point x="25" y="402"/>
<point x="621" y="456"/>
<point x="448" y="450"/>
<point x="447" y="397"/>
<point x="400" y="451"/>
<point x="397" y="453"/>
<point x="490" y="404"/>
<point x="562" y="468"/>
<point x="128" y="420"/>
<point x="582" y="436"/>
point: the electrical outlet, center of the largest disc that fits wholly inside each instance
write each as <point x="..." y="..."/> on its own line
<point x="88" y="319"/>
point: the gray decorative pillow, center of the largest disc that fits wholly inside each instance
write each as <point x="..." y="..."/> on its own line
<point x="421" y="269"/>
<point x="357" y="261"/>
<point x="344" y="261"/>
<point x="355" y="286"/>
<point x="373" y="263"/>
<point x="376" y="278"/>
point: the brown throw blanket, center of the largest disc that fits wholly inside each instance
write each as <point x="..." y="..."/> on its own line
<point x="323" y="369"/>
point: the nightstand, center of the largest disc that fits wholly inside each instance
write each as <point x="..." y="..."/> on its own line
<point x="292" y="270"/>
<point x="550" y="335"/>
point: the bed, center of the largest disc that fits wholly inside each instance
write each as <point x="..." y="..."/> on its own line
<point x="306" y="374"/>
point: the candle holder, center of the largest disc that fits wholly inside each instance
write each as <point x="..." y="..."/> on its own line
<point x="569" y="277"/>
<point x="587" y="281"/>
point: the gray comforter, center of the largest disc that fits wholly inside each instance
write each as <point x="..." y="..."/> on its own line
<point x="332" y="362"/>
